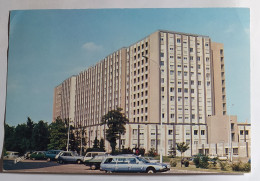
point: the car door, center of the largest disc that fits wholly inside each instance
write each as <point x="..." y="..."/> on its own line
<point x="122" y="165"/>
<point x="110" y="164"/>
<point x="134" y="165"/>
<point x="67" y="157"/>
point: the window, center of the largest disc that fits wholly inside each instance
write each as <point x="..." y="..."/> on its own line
<point x="135" y="131"/>
<point x="202" y="132"/>
<point x="191" y="49"/>
<point x="162" y="54"/>
<point x="172" y="115"/>
<point x="246" y="132"/>
<point x="192" y="90"/>
<point x="199" y="82"/>
<point x="162" y="80"/>
<point x="171" y="72"/>
<point x="179" y="98"/>
<point x="191" y="57"/>
<point x="193" y="116"/>
<point x="178" y="40"/>
<point x="186" y="90"/>
<point x="170" y="132"/>
<point x="162" y="63"/>
<point x="162" y="115"/>
<point x="153" y="141"/>
<point x="172" y="98"/>
<point x="179" y="89"/>
<point x="162" y="89"/>
<point x="195" y="132"/>
<point x="171" y="89"/>
<point x="235" y="151"/>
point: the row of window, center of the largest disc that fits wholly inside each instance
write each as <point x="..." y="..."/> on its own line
<point x="185" y="42"/>
<point x="142" y="46"/>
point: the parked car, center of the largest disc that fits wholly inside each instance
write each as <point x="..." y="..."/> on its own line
<point x="92" y="154"/>
<point x="38" y="155"/>
<point x="131" y="164"/>
<point x="51" y="154"/>
<point x="69" y="157"/>
<point x="11" y="155"/>
<point x="95" y="162"/>
<point x="27" y="155"/>
<point x="152" y="160"/>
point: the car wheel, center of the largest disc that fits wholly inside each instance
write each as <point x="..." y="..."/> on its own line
<point x="108" y="171"/>
<point x="150" y="170"/>
<point x="48" y="159"/>
<point x="78" y="161"/>
<point x="61" y="161"/>
<point x="93" y="167"/>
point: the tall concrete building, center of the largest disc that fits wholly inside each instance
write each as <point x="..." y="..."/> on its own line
<point x="169" y="85"/>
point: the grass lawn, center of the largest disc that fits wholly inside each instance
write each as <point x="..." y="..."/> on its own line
<point x="192" y="167"/>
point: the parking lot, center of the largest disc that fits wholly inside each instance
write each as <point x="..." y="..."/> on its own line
<point x="42" y="166"/>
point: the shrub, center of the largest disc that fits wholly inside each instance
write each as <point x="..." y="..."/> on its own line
<point x="127" y="151"/>
<point x="242" y="167"/>
<point x="247" y="167"/>
<point x="186" y="163"/>
<point x="201" y="161"/>
<point x="204" y="162"/>
<point x="141" y="151"/>
<point x="223" y="165"/>
<point x="236" y="166"/>
<point x="173" y="163"/>
<point x="152" y="152"/>
<point x="196" y="161"/>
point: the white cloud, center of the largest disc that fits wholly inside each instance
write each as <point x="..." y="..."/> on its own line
<point x="92" y="47"/>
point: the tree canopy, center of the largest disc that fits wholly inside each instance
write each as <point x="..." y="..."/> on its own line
<point x="115" y="121"/>
<point x="58" y="135"/>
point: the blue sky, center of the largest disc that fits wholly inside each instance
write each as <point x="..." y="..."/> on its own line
<point x="48" y="46"/>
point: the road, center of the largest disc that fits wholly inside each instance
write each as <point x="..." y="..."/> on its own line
<point x="42" y="166"/>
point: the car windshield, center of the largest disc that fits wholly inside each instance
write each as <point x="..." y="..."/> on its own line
<point x="142" y="160"/>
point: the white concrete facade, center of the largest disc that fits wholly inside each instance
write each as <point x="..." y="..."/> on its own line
<point x="168" y="84"/>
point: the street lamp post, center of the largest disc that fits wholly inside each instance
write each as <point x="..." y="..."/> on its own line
<point x="161" y="125"/>
<point x="68" y="140"/>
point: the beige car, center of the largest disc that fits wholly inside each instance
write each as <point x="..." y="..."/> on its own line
<point x="92" y="154"/>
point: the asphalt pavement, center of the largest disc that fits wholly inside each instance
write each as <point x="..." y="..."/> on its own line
<point x="42" y="166"/>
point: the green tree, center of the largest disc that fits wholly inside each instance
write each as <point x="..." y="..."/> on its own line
<point x="9" y="138"/>
<point x="96" y="145"/>
<point x="74" y="142"/>
<point x="40" y="136"/>
<point x="57" y="135"/>
<point x="182" y="147"/>
<point x="115" y="121"/>
<point x="102" y="145"/>
<point x="21" y="143"/>
<point x="28" y="134"/>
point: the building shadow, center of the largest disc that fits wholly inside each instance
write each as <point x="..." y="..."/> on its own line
<point x="10" y="165"/>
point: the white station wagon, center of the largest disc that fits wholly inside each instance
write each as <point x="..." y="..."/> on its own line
<point x="123" y="163"/>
